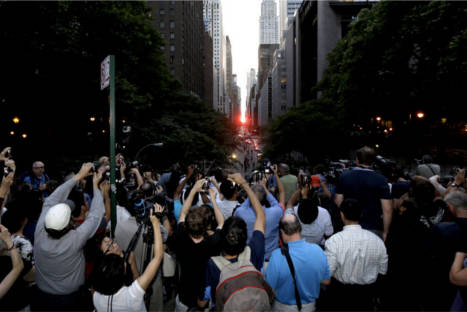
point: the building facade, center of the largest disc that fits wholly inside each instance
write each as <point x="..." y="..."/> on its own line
<point x="228" y="77"/>
<point x="212" y="15"/>
<point x="180" y="24"/>
<point x="287" y="9"/>
<point x="268" y="23"/>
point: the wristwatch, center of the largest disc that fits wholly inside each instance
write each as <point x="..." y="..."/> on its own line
<point x="453" y="184"/>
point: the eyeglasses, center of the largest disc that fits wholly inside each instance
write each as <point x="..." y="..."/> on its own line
<point x="38" y="168"/>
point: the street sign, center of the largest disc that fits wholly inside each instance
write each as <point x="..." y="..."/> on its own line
<point x="105" y="73"/>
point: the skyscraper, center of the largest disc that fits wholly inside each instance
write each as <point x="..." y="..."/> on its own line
<point x="180" y="24"/>
<point x="287" y="9"/>
<point x="212" y="14"/>
<point x="228" y="76"/>
<point x="268" y="23"/>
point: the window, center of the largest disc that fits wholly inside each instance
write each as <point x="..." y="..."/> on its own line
<point x="163" y="48"/>
<point x="172" y="48"/>
<point x="172" y="11"/>
<point x="172" y="24"/>
<point x="172" y="35"/>
<point x="161" y="12"/>
<point x="172" y="58"/>
<point x="161" y="25"/>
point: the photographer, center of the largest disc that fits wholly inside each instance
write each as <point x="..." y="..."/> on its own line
<point x="315" y="220"/>
<point x="58" y="249"/>
<point x="130" y="214"/>
<point x="193" y="248"/>
<point x="111" y="292"/>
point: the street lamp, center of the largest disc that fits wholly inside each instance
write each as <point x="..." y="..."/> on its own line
<point x="12" y="133"/>
<point x="420" y="115"/>
<point x="15" y="120"/>
<point x="92" y="118"/>
<point x="234" y="156"/>
<point x="151" y="144"/>
<point x="24" y="135"/>
<point x="378" y="118"/>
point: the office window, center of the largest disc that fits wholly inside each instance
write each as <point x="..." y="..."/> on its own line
<point x="161" y="12"/>
<point x="172" y="58"/>
<point x="161" y="25"/>
<point x="172" y="48"/>
<point x="172" y="11"/>
<point x="172" y="24"/>
<point x="172" y="35"/>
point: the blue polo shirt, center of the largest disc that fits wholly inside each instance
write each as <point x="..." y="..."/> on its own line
<point x="311" y="267"/>
<point x="273" y="216"/>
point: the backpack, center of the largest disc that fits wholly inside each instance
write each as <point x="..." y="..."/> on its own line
<point x="241" y="286"/>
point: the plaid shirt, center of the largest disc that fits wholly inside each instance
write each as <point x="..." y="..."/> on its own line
<point x="356" y="256"/>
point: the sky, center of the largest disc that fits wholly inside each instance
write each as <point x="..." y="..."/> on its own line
<point x="241" y="24"/>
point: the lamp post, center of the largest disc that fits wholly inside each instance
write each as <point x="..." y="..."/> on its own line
<point x="151" y="144"/>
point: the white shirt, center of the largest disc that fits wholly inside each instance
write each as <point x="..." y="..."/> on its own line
<point x="226" y="207"/>
<point x="315" y="231"/>
<point x="126" y="299"/>
<point x="356" y="256"/>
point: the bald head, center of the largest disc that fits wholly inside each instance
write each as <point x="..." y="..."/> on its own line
<point x="290" y="224"/>
<point x="284" y="169"/>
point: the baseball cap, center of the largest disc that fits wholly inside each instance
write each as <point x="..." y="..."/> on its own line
<point x="58" y="217"/>
<point x="399" y="189"/>
<point x="315" y="181"/>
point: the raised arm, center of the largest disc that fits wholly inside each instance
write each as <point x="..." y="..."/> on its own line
<point x="187" y="203"/>
<point x="89" y="227"/>
<point x="16" y="260"/>
<point x="61" y="193"/>
<point x="148" y="275"/>
<point x="180" y="187"/>
<point x="139" y="178"/>
<point x="458" y="274"/>
<point x="5" y="188"/>
<point x="293" y="199"/>
<point x="105" y="188"/>
<point x="280" y="186"/>
<point x="260" y="223"/>
<point x="217" y="212"/>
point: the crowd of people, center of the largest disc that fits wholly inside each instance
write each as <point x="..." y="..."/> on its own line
<point x="277" y="239"/>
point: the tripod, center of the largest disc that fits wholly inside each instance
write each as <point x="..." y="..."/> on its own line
<point x="144" y="231"/>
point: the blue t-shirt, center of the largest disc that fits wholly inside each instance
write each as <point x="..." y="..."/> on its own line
<point x="311" y="267"/>
<point x="213" y="273"/>
<point x="273" y="216"/>
<point x="177" y="209"/>
<point x="368" y="187"/>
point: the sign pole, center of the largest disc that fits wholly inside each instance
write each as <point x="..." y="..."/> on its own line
<point x="113" y="187"/>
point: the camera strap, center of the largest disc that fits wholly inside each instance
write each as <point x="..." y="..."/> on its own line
<point x="133" y="242"/>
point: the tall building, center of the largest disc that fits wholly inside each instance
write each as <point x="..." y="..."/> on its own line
<point x="250" y="79"/>
<point x="209" y="72"/>
<point x="236" y="100"/>
<point x="180" y="24"/>
<point x="268" y="23"/>
<point x="279" y="84"/>
<point x="287" y="9"/>
<point x="212" y="13"/>
<point x="265" y="61"/>
<point x="228" y="76"/>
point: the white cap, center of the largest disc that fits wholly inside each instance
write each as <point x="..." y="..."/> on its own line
<point x="58" y="217"/>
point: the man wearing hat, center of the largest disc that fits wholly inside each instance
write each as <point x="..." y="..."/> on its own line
<point x="58" y="249"/>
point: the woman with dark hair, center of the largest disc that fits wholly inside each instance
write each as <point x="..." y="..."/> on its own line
<point x="315" y="220"/>
<point x="109" y="278"/>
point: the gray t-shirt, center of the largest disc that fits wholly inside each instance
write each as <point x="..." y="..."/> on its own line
<point x="60" y="262"/>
